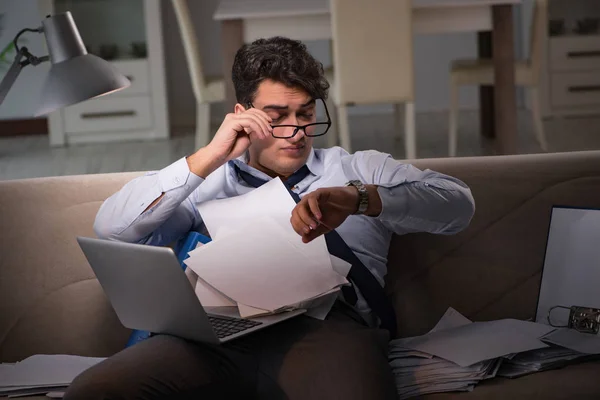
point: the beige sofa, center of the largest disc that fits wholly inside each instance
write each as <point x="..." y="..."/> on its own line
<point x="51" y="303"/>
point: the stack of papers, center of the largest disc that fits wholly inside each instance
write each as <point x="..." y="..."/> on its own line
<point x="418" y="375"/>
<point x="457" y="353"/>
<point x="42" y="373"/>
<point x="538" y="360"/>
<point x="257" y="262"/>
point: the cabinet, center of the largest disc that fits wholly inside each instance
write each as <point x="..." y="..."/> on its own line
<point x="571" y="73"/>
<point x="128" y="34"/>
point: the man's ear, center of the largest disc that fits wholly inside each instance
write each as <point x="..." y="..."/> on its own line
<point x="238" y="109"/>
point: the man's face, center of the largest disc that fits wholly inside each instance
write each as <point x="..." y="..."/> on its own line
<point x="286" y="106"/>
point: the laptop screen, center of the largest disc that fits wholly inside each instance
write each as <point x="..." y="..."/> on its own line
<point x="571" y="274"/>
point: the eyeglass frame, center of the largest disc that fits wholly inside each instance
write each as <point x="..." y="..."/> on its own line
<point x="303" y="127"/>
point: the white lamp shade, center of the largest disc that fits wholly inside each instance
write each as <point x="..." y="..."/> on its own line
<point x="79" y="79"/>
<point x="75" y="75"/>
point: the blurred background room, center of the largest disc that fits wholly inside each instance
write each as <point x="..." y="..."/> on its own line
<point x="450" y="78"/>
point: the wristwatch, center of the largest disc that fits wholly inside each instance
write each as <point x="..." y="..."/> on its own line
<point x="363" y="196"/>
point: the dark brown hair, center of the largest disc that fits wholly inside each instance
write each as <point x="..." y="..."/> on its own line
<point x="280" y="59"/>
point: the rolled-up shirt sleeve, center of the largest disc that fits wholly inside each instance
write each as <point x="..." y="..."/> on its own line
<point x="125" y="215"/>
<point x="413" y="200"/>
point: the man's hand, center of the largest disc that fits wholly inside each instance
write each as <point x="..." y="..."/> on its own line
<point x="323" y="210"/>
<point x="233" y="138"/>
<point x="237" y="132"/>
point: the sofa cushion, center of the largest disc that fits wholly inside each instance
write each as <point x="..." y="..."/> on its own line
<point x="75" y="319"/>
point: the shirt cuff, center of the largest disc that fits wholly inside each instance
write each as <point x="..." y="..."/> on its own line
<point x="394" y="203"/>
<point x="176" y="175"/>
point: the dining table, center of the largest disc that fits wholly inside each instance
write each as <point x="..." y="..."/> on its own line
<point x="243" y="21"/>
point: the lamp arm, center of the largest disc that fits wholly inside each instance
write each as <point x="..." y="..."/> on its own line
<point x="22" y="31"/>
<point x="18" y="64"/>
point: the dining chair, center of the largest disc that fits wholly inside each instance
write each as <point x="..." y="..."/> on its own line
<point x="481" y="72"/>
<point x="373" y="61"/>
<point x="206" y="90"/>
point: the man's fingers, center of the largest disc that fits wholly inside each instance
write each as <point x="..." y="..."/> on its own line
<point x="251" y="125"/>
<point x="262" y="119"/>
<point x="306" y="216"/>
<point x="321" y="230"/>
<point x="298" y="225"/>
<point x="264" y="124"/>
<point x="313" y="204"/>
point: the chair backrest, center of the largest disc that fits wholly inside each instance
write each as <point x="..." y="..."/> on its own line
<point x="191" y="48"/>
<point x="372" y="51"/>
<point x="536" y="51"/>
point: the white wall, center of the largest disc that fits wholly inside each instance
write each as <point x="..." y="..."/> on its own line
<point x="22" y="100"/>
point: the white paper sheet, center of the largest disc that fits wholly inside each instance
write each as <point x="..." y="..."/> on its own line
<point x="45" y="370"/>
<point x="249" y="312"/>
<point x="574" y="340"/>
<point x="233" y="214"/>
<point x="211" y="297"/>
<point x="263" y="269"/>
<point x="245" y="213"/>
<point x="317" y="308"/>
<point x="451" y="319"/>
<point x="340" y="266"/>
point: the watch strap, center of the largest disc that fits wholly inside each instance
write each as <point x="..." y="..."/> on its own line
<point x="363" y="196"/>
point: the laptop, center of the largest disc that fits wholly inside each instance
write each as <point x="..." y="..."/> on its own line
<point x="149" y="291"/>
<point x="571" y="270"/>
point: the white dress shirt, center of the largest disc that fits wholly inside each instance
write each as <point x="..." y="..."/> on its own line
<point x="412" y="201"/>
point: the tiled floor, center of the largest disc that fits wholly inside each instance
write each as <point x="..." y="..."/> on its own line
<point x="31" y="156"/>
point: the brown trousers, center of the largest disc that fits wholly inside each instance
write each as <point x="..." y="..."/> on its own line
<point x="302" y="358"/>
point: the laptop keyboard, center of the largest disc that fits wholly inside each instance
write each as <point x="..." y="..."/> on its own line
<point x="227" y="326"/>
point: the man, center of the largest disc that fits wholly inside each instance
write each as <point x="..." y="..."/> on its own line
<point x="277" y="83"/>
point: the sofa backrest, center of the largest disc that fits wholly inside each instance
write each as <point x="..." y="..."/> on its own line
<point x="492" y="269"/>
<point x="50" y="301"/>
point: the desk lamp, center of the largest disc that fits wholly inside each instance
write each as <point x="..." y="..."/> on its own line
<point x="74" y="76"/>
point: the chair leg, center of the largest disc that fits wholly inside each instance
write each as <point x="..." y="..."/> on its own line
<point x="453" y="120"/>
<point x="538" y="122"/>
<point x="344" y="127"/>
<point x="410" y="135"/>
<point x="202" y="125"/>
<point x="334" y="130"/>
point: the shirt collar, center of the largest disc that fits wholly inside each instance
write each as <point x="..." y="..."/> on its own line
<point x="314" y="164"/>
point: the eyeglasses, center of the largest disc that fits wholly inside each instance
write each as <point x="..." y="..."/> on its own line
<point x="311" y="130"/>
